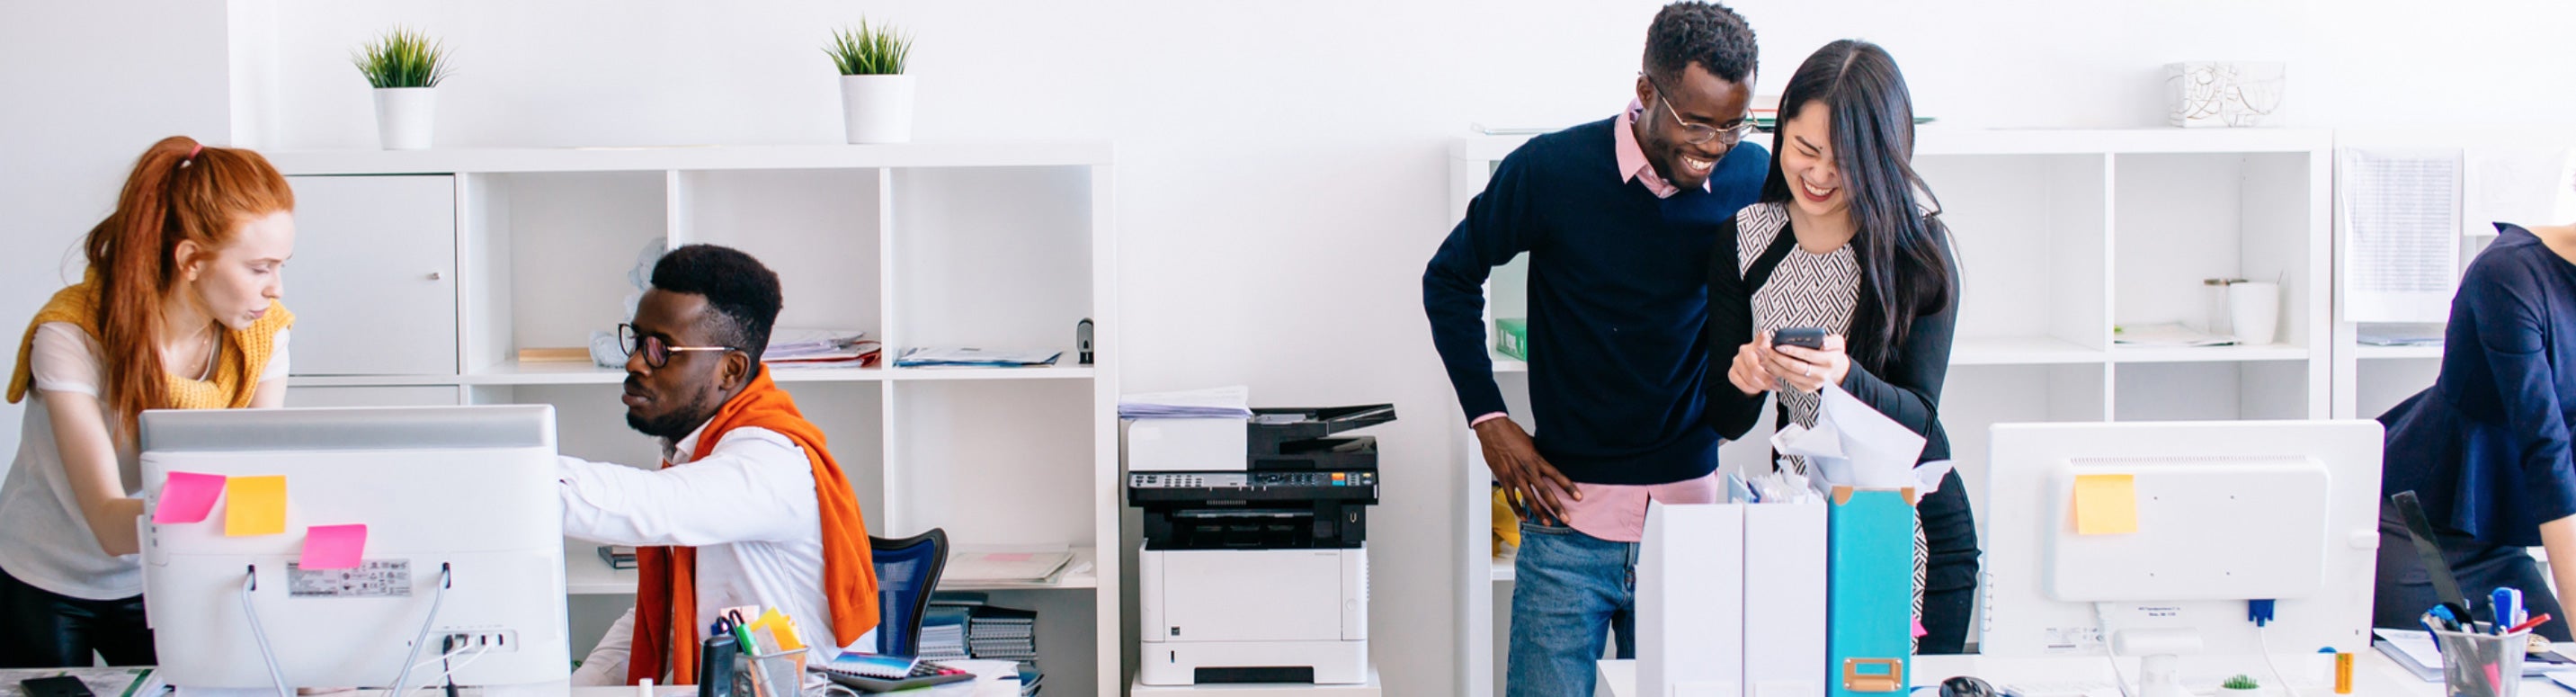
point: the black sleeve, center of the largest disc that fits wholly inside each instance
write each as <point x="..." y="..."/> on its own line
<point x="1731" y="412"/>
<point x="1499" y="225"/>
<point x="1910" y="392"/>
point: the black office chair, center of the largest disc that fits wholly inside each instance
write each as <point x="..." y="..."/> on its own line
<point x="907" y="571"/>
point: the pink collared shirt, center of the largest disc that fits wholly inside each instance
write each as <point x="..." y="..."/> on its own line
<point x="1617" y="512"/>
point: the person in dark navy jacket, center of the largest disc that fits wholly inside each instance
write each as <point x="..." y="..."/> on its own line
<point x="2486" y="447"/>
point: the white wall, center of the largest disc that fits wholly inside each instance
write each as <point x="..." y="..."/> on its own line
<point x="1280" y="163"/>
<point x="86" y="89"/>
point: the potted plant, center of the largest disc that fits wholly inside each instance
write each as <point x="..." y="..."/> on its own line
<point x="876" y="96"/>
<point x="2240" y="686"/>
<point x="404" y="66"/>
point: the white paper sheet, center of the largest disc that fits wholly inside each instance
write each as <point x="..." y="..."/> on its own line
<point x="2398" y="214"/>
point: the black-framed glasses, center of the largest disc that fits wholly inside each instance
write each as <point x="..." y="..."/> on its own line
<point x="656" y="353"/>
<point x="1697" y="134"/>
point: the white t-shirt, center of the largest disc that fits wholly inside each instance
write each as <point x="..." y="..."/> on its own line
<point x="750" y="510"/>
<point x="50" y="545"/>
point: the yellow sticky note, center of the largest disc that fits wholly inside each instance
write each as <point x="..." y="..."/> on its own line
<point x="254" y="506"/>
<point x="2106" y="504"/>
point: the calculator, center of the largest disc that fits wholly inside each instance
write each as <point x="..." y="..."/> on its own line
<point x="867" y="672"/>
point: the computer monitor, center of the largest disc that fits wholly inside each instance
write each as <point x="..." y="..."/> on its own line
<point x="464" y="538"/>
<point x="2224" y="513"/>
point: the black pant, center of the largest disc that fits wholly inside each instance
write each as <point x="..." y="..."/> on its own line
<point x="2405" y="587"/>
<point x="1950" y="572"/>
<point x="39" y="629"/>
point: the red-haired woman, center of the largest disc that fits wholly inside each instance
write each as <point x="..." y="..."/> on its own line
<point x="178" y="310"/>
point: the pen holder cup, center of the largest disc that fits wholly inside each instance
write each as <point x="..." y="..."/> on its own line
<point x="780" y="674"/>
<point x="2481" y="665"/>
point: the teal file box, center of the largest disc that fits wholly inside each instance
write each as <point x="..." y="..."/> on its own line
<point x="1869" y="636"/>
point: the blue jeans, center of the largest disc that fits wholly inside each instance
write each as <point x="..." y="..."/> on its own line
<point x="1570" y="590"/>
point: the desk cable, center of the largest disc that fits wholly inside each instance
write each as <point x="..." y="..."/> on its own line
<point x="2102" y="627"/>
<point x="267" y="653"/>
<point x="446" y="579"/>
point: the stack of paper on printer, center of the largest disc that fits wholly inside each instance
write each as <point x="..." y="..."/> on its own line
<point x="1233" y="402"/>
<point x="1855" y="445"/>
<point x="992" y="565"/>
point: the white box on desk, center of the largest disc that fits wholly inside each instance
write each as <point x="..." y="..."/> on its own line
<point x="1184" y="445"/>
<point x="1690" y="601"/>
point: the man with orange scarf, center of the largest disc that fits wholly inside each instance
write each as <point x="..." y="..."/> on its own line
<point x="747" y="506"/>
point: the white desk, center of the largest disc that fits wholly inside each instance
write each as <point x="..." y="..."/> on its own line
<point x="2373" y="675"/>
<point x="1366" y="689"/>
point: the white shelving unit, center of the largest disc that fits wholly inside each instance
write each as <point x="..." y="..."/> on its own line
<point x="419" y="276"/>
<point x="2371" y="379"/>
<point x="2061" y="236"/>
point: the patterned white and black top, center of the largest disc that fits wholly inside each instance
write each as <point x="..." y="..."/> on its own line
<point x="1808" y="290"/>
<point x="1805" y="290"/>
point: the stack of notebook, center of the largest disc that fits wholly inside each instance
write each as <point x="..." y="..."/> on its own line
<point x="943" y="633"/>
<point x="1002" y="633"/>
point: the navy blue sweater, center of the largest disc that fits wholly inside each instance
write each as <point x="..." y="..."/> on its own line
<point x="1617" y="303"/>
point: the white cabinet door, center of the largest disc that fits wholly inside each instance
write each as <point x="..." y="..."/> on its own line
<point x="389" y="396"/>
<point x="373" y="283"/>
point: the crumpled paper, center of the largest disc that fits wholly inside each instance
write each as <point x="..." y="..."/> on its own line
<point x="1854" y="445"/>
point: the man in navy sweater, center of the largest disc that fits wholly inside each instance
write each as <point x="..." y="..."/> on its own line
<point x="1618" y="216"/>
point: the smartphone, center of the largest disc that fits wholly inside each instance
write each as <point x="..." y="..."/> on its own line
<point x="58" y="686"/>
<point x="1802" y="337"/>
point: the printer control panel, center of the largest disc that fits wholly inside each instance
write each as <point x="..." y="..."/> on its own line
<point x="1247" y="480"/>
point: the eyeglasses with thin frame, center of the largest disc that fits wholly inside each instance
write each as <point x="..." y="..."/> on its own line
<point x="1696" y="134"/>
<point x="656" y="353"/>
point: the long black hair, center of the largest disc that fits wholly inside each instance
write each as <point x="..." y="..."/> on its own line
<point x="1904" y="268"/>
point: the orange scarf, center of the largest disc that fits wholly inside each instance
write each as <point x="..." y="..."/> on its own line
<point x="666" y="594"/>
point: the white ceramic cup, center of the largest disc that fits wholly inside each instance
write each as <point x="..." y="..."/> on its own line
<point x="2254" y="311"/>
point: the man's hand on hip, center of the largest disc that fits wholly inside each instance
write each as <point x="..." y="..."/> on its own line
<point x="1535" y="489"/>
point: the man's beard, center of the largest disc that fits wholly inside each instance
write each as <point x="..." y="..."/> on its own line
<point x="675" y="425"/>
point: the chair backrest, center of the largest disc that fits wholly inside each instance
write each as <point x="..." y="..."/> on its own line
<point x="907" y="571"/>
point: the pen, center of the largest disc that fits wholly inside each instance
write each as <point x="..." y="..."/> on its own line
<point x="2526" y="625"/>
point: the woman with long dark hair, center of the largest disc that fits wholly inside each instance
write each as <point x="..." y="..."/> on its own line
<point x="1846" y="238"/>
<point x="178" y="310"/>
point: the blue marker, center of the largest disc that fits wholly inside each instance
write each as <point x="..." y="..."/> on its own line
<point x="2508" y="608"/>
<point x="2443" y="613"/>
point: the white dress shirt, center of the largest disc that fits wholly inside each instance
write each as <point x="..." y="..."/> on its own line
<point x="750" y="510"/>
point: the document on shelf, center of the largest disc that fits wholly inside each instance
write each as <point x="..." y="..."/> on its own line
<point x="2167" y="335"/>
<point x="1033" y="564"/>
<point x="968" y="356"/>
<point x="2398" y="212"/>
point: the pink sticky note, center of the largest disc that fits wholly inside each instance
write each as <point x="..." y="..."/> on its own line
<point x="333" y="546"/>
<point x="1010" y="556"/>
<point x="1919" y="631"/>
<point x="187" y="498"/>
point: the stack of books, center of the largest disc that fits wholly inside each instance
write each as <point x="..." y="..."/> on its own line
<point x="1000" y="633"/>
<point x="617" y="556"/>
<point x="943" y="633"/>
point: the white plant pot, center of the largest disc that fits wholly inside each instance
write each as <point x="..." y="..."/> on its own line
<point x="404" y="117"/>
<point x="877" y="108"/>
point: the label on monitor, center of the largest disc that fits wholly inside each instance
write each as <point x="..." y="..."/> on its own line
<point x="378" y="578"/>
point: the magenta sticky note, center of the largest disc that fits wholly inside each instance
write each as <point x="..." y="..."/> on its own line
<point x="187" y="498"/>
<point x="333" y="547"/>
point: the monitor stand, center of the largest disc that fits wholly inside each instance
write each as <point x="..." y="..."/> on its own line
<point x="2159" y="654"/>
